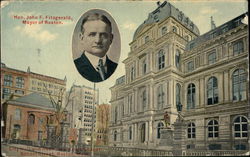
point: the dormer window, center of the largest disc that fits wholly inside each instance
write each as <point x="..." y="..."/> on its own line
<point x="163" y="30"/>
<point x="174" y="29"/>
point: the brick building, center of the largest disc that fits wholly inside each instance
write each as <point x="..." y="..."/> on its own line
<point x="26" y="117"/>
<point x="19" y="83"/>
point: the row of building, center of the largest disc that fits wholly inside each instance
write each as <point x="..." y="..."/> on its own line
<point x="27" y="108"/>
<point x="171" y="65"/>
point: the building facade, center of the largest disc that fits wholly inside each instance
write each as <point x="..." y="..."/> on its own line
<point x="20" y="83"/>
<point x="102" y="123"/>
<point x="171" y="65"/>
<point x="81" y="108"/>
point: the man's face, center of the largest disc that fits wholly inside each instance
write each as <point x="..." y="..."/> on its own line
<point x="96" y="37"/>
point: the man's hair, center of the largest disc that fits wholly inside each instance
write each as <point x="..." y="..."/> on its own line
<point x="94" y="17"/>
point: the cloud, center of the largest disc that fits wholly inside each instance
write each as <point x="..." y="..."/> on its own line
<point x="65" y="23"/>
<point x="208" y="10"/>
<point x="36" y="32"/>
<point x="129" y="26"/>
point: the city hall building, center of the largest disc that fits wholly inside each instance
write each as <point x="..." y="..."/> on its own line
<point x="170" y="64"/>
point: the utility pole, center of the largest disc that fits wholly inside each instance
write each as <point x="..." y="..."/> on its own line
<point x="92" y="127"/>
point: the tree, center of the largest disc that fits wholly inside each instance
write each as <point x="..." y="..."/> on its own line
<point x="59" y="106"/>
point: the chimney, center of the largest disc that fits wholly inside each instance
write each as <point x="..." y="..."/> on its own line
<point x="213" y="26"/>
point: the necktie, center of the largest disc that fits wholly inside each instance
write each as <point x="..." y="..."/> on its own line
<point x="101" y="69"/>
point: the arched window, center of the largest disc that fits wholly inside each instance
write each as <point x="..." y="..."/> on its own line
<point x="31" y="119"/>
<point x="240" y="127"/>
<point x="177" y="59"/>
<point x="178" y="94"/>
<point x="239" y="85"/>
<point x="17" y="114"/>
<point x="146" y="39"/>
<point x="130" y="132"/>
<point x="163" y="30"/>
<point x="159" y="127"/>
<point x="160" y="96"/>
<point x="191" y="130"/>
<point x="143" y="133"/>
<point x="191" y="96"/>
<point x="161" y="59"/>
<point x="213" y="129"/>
<point x="212" y="91"/>
<point x="115" y="135"/>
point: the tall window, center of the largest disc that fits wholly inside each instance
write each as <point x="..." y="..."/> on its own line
<point x="132" y="73"/>
<point x="160" y="97"/>
<point x="211" y="58"/>
<point x="159" y="127"/>
<point x="240" y="127"/>
<point x="20" y="82"/>
<point x="177" y="59"/>
<point x="190" y="66"/>
<point x="213" y="129"/>
<point x="163" y="30"/>
<point x="239" y="85"/>
<point x="17" y="114"/>
<point x="178" y="94"/>
<point x="144" y="67"/>
<point x="161" y="59"/>
<point x="144" y="100"/>
<point x="6" y="93"/>
<point x="130" y="103"/>
<point x="143" y="132"/>
<point x="116" y="114"/>
<point x="238" y="47"/>
<point x="212" y="91"/>
<point x="8" y="80"/>
<point x="191" y="96"/>
<point x="191" y="130"/>
<point x="31" y="119"/>
<point x="115" y="135"/>
<point x="146" y="39"/>
<point x="130" y="133"/>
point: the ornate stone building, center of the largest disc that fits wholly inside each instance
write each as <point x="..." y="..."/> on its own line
<point x="170" y="64"/>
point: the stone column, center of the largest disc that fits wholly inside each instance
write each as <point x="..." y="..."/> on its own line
<point x="146" y="131"/>
<point x="150" y="130"/>
<point x="179" y="137"/>
<point x="64" y="136"/>
<point x="50" y="135"/>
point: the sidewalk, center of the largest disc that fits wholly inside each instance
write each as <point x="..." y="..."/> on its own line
<point x="42" y="151"/>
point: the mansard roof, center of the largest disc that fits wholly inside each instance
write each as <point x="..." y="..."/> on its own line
<point x="216" y="32"/>
<point x="163" y="11"/>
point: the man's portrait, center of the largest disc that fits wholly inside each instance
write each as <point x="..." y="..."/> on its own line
<point x="95" y="37"/>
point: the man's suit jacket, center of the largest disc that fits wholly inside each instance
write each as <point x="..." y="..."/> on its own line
<point x="86" y="69"/>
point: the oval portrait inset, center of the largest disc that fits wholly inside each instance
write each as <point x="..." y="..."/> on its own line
<point x="96" y="45"/>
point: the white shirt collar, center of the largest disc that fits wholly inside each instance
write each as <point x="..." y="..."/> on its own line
<point x="94" y="60"/>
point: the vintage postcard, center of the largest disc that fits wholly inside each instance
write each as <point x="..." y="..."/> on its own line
<point x="125" y="78"/>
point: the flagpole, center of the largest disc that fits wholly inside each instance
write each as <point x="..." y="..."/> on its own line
<point x="92" y="126"/>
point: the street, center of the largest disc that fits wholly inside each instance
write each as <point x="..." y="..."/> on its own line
<point x="9" y="151"/>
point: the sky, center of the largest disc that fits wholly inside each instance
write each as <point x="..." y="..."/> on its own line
<point x="20" y="42"/>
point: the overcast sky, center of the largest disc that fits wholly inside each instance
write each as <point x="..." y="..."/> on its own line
<point x="19" y="42"/>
